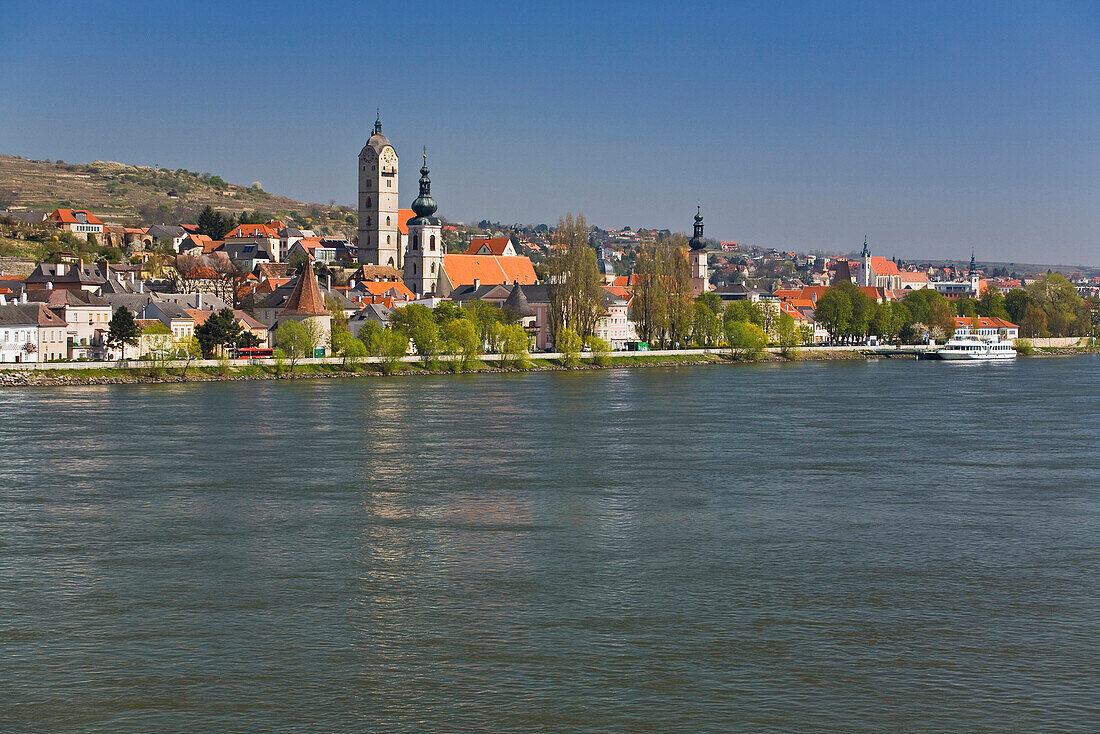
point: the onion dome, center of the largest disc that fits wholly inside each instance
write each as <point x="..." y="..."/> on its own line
<point x="424" y="205"/>
<point x="698" y="242"/>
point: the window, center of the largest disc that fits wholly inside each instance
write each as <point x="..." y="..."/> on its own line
<point x="433" y="268"/>
<point x="387" y="239"/>
<point x="387" y="221"/>
<point x="368" y="201"/>
<point x="389" y="183"/>
<point x="414" y="268"/>
<point x="416" y="241"/>
<point x="433" y="243"/>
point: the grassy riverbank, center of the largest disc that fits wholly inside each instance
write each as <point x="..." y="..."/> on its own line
<point x="331" y="370"/>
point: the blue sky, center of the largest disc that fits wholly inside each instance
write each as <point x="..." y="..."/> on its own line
<point x="930" y="127"/>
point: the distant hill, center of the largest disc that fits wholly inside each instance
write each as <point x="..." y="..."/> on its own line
<point x="133" y="195"/>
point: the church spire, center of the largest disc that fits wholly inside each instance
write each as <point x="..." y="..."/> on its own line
<point x="377" y="121"/>
<point x="973" y="270"/>
<point x="424" y="206"/>
<point x="866" y="250"/>
<point x="698" y="242"/>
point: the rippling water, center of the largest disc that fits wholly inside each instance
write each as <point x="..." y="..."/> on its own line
<point x="889" y="546"/>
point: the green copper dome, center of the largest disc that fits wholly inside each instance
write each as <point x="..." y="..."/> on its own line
<point x="424" y="205"/>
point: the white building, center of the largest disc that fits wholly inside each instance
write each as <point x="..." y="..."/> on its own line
<point x="379" y="227"/>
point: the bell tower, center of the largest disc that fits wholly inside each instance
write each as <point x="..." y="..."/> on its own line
<point x="697" y="256"/>
<point x="424" y="256"/>
<point x="379" y="233"/>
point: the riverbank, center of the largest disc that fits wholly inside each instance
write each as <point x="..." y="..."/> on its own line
<point x="334" y="368"/>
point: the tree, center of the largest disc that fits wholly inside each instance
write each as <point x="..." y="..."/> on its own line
<point x="601" y="350"/>
<point x="992" y="303"/>
<point x="418" y="324"/>
<point x="1016" y="303"/>
<point x="390" y="346"/>
<point x="218" y="330"/>
<point x="187" y="350"/>
<point x="370" y="333"/>
<point x="569" y="344"/>
<point x="350" y="349"/>
<point x="863" y="309"/>
<point x="746" y="341"/>
<point x="650" y="307"/>
<point x="889" y="320"/>
<point x="706" y="328"/>
<point x="514" y="345"/>
<point x="486" y="317"/>
<point x="447" y="311"/>
<point x="573" y="280"/>
<point x="788" y="336"/>
<point x="834" y="312"/>
<point x="462" y="339"/>
<point x="296" y="339"/>
<point x="122" y="330"/>
<point x="1034" y="322"/>
<point x="941" y="318"/>
<point x="214" y="224"/>
<point x="337" y="318"/>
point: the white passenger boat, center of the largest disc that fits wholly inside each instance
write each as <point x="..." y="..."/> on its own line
<point x="973" y="348"/>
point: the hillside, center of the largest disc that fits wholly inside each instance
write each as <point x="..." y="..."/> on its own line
<point x="136" y="195"/>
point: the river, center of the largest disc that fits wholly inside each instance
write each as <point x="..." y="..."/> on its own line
<point x="880" y="546"/>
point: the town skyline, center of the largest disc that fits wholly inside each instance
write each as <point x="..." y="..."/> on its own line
<point x="818" y="129"/>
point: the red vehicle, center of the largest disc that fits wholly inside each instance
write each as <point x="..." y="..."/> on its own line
<point x="255" y="353"/>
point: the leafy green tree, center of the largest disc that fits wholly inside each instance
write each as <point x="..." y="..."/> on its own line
<point x="514" y="345"/>
<point x="1034" y="322"/>
<point x="296" y="340"/>
<point x="337" y="318"/>
<point x="788" y="336"/>
<point x="186" y="349"/>
<point x="447" y="311"/>
<point x="889" y="320"/>
<point x="218" y="330"/>
<point x="462" y="339"/>
<point x="746" y="341"/>
<point x="834" y="312"/>
<point x="351" y="350"/>
<point x="992" y="303"/>
<point x="746" y="311"/>
<point x="863" y="309"/>
<point x="1016" y="303"/>
<point x="486" y="317"/>
<point x="601" y="350"/>
<point x="370" y="333"/>
<point x="417" y="322"/>
<point x="706" y="328"/>
<point x="569" y="344"/>
<point x="122" y="330"/>
<point x="711" y="300"/>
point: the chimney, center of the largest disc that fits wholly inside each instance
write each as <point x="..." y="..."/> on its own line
<point x="49" y="285"/>
<point x="60" y="270"/>
<point x="3" y="300"/>
<point x="141" y="286"/>
<point x="23" y="297"/>
<point x="477" y="283"/>
<point x="328" y="282"/>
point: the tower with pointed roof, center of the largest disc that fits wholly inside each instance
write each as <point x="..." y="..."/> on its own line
<point x="307" y="305"/>
<point x="865" y="269"/>
<point x="424" y="257"/>
<point x="379" y="228"/>
<point x="972" y="275"/>
<point x="697" y="256"/>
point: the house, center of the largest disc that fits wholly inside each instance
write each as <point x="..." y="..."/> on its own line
<point x="290" y="236"/>
<point x="78" y="221"/>
<point x="31" y="332"/>
<point x="313" y="249"/>
<point x="615" y="326"/>
<point x="495" y="246"/>
<point x="172" y="315"/>
<point x="87" y="318"/>
<point x="201" y="243"/>
<point x="65" y="276"/>
<point x="245" y="255"/>
<point x="376" y="312"/>
<point x="535" y="296"/>
<point x="475" y="270"/>
<point x="986" y="326"/>
<point x="264" y="236"/>
<point x="172" y="234"/>
<point x="246" y="321"/>
<point x="912" y="280"/>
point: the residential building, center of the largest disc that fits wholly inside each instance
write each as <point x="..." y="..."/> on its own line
<point x="31" y="332"/>
<point x="78" y="221"/>
<point x="65" y="276"/>
<point x="87" y="318"/>
<point x="986" y="326"/>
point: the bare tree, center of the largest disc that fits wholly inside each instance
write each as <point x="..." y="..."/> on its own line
<point x="573" y="280"/>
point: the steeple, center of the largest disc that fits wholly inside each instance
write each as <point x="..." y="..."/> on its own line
<point x="866" y="250"/>
<point x="377" y="121"/>
<point x="973" y="270"/>
<point x="698" y="242"/>
<point x="424" y="206"/>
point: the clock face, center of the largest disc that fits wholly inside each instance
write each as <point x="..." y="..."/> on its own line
<point x="388" y="156"/>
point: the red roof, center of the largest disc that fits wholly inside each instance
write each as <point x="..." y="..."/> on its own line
<point x="68" y="216"/>
<point x="495" y="245"/>
<point x="244" y="231"/>
<point x="403" y="217"/>
<point x="985" y="322"/>
<point x="490" y="270"/>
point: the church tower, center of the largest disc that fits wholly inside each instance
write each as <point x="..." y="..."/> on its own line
<point x="697" y="257"/>
<point x="379" y="233"/>
<point x="424" y="257"/>
<point x="865" y="270"/>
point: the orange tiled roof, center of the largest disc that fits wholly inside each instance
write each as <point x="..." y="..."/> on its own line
<point x="387" y="287"/>
<point x="490" y="270"/>
<point x="986" y="322"/>
<point x="244" y="231"/>
<point x="403" y="217"/>
<point x="68" y="216"/>
<point x="306" y="298"/>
